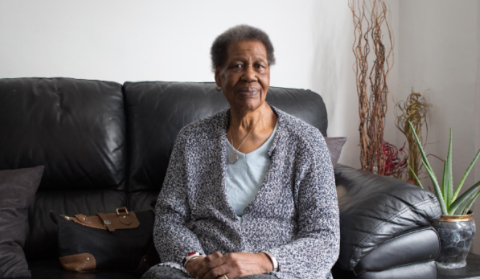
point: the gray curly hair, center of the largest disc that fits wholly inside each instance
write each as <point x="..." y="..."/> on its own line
<point x="218" y="52"/>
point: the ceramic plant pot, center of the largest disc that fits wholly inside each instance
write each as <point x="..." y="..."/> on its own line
<point x="456" y="237"/>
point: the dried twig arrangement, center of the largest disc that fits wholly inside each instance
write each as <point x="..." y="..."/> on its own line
<point x="368" y="19"/>
<point x="413" y="110"/>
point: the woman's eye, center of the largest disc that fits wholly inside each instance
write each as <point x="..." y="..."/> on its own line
<point x="238" y="66"/>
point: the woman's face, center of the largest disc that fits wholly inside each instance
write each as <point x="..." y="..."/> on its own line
<point x="245" y="77"/>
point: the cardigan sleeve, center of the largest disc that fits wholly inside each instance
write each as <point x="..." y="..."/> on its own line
<point x="173" y="240"/>
<point x="316" y="246"/>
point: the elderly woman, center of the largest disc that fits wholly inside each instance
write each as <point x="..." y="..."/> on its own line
<point x="249" y="191"/>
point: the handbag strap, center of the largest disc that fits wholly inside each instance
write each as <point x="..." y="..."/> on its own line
<point x="121" y="220"/>
<point x="106" y="222"/>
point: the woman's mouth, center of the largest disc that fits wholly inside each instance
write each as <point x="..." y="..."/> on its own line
<point x="248" y="91"/>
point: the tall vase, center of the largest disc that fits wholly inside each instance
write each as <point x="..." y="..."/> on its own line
<point x="456" y="237"/>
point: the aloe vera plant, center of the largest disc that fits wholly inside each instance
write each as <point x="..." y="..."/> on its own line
<point x="450" y="201"/>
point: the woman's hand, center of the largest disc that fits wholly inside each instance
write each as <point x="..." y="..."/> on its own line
<point x="233" y="265"/>
<point x="194" y="266"/>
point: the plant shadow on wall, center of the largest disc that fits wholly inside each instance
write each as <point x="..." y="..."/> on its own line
<point x="456" y="227"/>
<point x="371" y="19"/>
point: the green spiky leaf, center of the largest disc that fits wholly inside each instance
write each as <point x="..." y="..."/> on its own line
<point x="444" y="180"/>
<point x="461" y="207"/>
<point x="438" y="191"/>
<point x="449" y="173"/>
<point x="415" y="175"/>
<point x="465" y="196"/>
<point x="449" y="203"/>
<point x="459" y="187"/>
<point x="470" y="203"/>
<point x="425" y="162"/>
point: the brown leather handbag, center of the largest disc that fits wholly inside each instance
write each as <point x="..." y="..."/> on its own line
<point x="106" y="241"/>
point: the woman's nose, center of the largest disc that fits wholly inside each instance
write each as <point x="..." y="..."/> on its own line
<point x="250" y="74"/>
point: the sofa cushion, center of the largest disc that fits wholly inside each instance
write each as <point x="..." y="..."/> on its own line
<point x="158" y="110"/>
<point x="75" y="128"/>
<point x="335" y="145"/>
<point x="17" y="190"/>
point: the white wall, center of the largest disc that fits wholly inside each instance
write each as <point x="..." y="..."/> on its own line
<point x="122" y="40"/>
<point x="145" y="40"/>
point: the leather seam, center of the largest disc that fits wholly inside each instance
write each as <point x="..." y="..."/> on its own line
<point x="424" y="228"/>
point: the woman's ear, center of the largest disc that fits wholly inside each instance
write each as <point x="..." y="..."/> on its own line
<point x="218" y="80"/>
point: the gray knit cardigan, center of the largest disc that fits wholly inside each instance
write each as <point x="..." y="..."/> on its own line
<point x="294" y="215"/>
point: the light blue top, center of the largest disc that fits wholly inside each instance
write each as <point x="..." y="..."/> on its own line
<point x="246" y="175"/>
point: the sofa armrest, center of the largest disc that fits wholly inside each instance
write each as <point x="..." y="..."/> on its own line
<point x="375" y="208"/>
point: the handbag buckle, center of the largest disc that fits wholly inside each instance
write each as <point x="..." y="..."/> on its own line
<point x="122" y="209"/>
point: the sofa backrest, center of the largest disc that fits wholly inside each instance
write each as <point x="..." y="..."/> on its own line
<point x="103" y="148"/>
<point x="156" y="111"/>
<point x="76" y="128"/>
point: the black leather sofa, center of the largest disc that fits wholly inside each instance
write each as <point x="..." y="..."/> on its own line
<point x="106" y="145"/>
